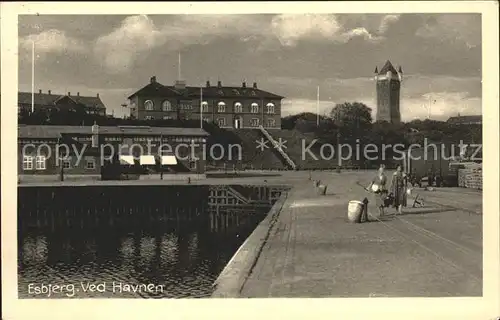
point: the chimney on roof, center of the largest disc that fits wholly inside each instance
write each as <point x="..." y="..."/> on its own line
<point x="40" y="91"/>
<point x="219" y="83"/>
<point x="153" y="79"/>
<point x="244" y="84"/>
<point x="255" y="85"/>
<point x="69" y="93"/>
<point x="78" y="94"/>
<point x="208" y="84"/>
<point x="50" y="92"/>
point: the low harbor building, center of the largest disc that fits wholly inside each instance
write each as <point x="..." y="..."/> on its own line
<point x="106" y="152"/>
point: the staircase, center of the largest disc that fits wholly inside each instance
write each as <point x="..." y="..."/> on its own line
<point x="278" y="147"/>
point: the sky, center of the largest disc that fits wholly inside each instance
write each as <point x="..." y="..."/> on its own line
<point x="289" y="55"/>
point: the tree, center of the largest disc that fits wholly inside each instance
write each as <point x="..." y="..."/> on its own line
<point x="351" y="115"/>
<point x="353" y="119"/>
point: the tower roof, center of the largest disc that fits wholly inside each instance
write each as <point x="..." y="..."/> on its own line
<point x="387" y="67"/>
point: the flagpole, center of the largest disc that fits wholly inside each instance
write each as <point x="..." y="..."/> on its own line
<point x="429" y="109"/>
<point x="179" y="67"/>
<point x="32" y="76"/>
<point x="201" y="107"/>
<point x="317" y="108"/>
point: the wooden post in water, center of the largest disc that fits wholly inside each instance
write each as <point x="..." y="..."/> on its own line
<point x="217" y="219"/>
<point x="66" y="216"/>
<point x="211" y="217"/>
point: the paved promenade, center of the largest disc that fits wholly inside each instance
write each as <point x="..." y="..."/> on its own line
<point x="312" y="251"/>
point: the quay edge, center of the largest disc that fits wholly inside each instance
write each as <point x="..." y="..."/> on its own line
<point x="234" y="275"/>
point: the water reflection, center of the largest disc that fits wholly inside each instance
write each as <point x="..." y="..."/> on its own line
<point x="182" y="260"/>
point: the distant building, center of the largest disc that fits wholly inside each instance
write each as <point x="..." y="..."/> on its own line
<point x="388" y="88"/>
<point x="53" y="101"/>
<point x="228" y="107"/>
<point x="465" y="120"/>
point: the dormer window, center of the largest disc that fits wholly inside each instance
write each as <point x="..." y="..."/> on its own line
<point x="220" y="92"/>
<point x="238" y="107"/>
<point x="253" y="93"/>
<point x="236" y="92"/>
<point x="148" y="105"/>
<point x="221" y="107"/>
<point x="254" y="108"/>
<point x="270" y="108"/>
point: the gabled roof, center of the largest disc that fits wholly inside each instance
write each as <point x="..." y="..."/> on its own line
<point x="54" y="132"/>
<point x="387" y="67"/>
<point x="45" y="99"/>
<point x="157" y="89"/>
<point x="154" y="89"/>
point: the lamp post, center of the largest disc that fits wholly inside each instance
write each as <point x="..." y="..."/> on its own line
<point x="32" y="76"/>
<point x="339" y="151"/>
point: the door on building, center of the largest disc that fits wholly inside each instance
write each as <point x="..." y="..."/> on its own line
<point x="238" y="122"/>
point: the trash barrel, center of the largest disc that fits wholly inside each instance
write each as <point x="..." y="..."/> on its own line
<point x="354" y="211"/>
<point x="322" y="189"/>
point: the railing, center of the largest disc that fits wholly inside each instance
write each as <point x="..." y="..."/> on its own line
<point x="278" y="147"/>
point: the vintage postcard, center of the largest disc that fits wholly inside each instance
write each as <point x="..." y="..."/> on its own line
<point x="234" y="160"/>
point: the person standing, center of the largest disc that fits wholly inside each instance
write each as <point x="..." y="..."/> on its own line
<point x="398" y="189"/>
<point x="378" y="187"/>
<point x="430" y="178"/>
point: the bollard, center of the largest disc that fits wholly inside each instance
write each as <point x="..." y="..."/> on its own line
<point x="365" y="210"/>
<point x="322" y="189"/>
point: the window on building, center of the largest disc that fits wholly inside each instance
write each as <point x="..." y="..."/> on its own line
<point x="270" y="108"/>
<point x="27" y="163"/>
<point x="271" y="123"/>
<point x="149" y="105"/>
<point x="204" y="106"/>
<point x="238" y="107"/>
<point x="149" y="118"/>
<point x="90" y="164"/>
<point x="166" y="106"/>
<point x="167" y="118"/>
<point x="254" y="122"/>
<point x="66" y="163"/>
<point x="254" y="108"/>
<point x="221" y="122"/>
<point x="41" y="163"/>
<point x="206" y="120"/>
<point x="221" y="107"/>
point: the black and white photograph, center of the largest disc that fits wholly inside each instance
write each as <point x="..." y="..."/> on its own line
<point x="216" y="155"/>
